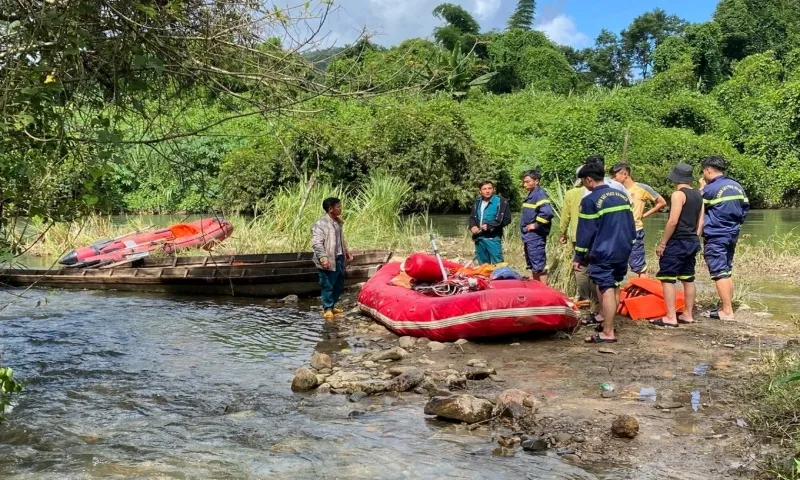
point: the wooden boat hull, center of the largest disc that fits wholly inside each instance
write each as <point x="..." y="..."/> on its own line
<point x="253" y="280"/>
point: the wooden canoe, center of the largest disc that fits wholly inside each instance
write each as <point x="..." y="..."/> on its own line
<point x="273" y="278"/>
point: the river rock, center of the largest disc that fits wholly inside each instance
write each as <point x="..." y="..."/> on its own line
<point x="320" y="361"/>
<point x="456" y="382"/>
<point x="461" y="341"/>
<point x="304" y="380"/>
<point x="436" y="346"/>
<point x="563" y="437"/>
<point x="321" y="378"/>
<point x="290" y="300"/>
<point x="406" y="381"/>
<point x="356" y="396"/>
<point x="370" y="364"/>
<point x="324" y="388"/>
<point x="477" y="362"/>
<point x="465" y="408"/>
<point x="512" y="403"/>
<point x="535" y="444"/>
<point x="625" y="426"/>
<point x="423" y="341"/>
<point x="479" y="373"/>
<point x="399" y="370"/>
<point x="407" y="342"/>
<point x="394" y="353"/>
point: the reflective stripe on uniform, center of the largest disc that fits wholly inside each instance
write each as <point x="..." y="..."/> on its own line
<point x="542" y="220"/>
<point x="672" y="279"/>
<point x="600" y="213"/>
<point x="715" y="201"/>
<point x="535" y="205"/>
<point x="581" y="249"/>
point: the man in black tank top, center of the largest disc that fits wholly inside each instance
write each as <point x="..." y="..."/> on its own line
<point x="680" y="245"/>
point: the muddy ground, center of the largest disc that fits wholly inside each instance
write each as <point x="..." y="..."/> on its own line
<point x="681" y="384"/>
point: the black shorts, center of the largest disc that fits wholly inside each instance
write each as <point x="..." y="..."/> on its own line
<point x="679" y="261"/>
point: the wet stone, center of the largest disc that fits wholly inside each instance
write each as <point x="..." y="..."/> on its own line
<point x="563" y="438"/>
<point x="304" y="380"/>
<point x="357" y="396"/>
<point x="290" y="300"/>
<point x="321" y="361"/>
<point x="535" y="444"/>
<point x="406" y="381"/>
<point x="436" y="346"/>
<point x="503" y="452"/>
<point x="479" y="373"/>
<point x="465" y="408"/>
<point x="511" y="403"/>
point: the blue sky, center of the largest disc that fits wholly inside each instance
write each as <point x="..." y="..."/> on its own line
<point x="570" y="22"/>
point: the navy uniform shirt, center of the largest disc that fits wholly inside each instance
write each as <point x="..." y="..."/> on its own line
<point x="606" y="230"/>
<point x="726" y="207"/>
<point x="536" y="209"/>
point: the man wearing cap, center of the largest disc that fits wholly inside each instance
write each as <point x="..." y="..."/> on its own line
<point x="606" y="233"/>
<point x="679" y="245"/>
<point x="489" y="216"/>
<point x="537" y="213"/>
<point x="726" y="207"/>
<point x="641" y="194"/>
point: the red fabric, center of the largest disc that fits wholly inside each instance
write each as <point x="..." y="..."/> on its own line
<point x="209" y="231"/>
<point x="503" y="309"/>
<point x="643" y="299"/>
<point x="425" y="268"/>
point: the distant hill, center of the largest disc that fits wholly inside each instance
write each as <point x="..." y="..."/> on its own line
<point x="321" y="58"/>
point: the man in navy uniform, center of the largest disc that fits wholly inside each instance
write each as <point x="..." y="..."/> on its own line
<point x="537" y="213"/>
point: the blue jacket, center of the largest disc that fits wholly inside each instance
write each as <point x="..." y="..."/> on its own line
<point x="606" y="230"/>
<point x="536" y="209"/>
<point x="726" y="207"/>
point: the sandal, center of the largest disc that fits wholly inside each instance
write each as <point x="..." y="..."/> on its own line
<point x="592" y="320"/>
<point x="684" y="322"/>
<point x="662" y="323"/>
<point x="713" y="313"/>
<point x="596" y="338"/>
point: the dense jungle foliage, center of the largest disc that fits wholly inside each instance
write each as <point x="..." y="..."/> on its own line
<point x="182" y="105"/>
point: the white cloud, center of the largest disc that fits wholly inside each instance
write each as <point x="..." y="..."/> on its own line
<point x="562" y="30"/>
<point x="486" y="8"/>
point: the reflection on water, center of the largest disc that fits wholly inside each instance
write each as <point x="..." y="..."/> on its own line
<point x="154" y="386"/>
<point x="760" y="224"/>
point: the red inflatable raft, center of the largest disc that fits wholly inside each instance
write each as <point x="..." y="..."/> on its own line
<point x="506" y="307"/>
<point x="201" y="233"/>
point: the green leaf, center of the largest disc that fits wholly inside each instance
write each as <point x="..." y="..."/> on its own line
<point x="91" y="199"/>
<point x="792" y="377"/>
<point x="483" y="79"/>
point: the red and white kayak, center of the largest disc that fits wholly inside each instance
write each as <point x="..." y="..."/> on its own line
<point x="202" y="233"/>
<point x="506" y="307"/>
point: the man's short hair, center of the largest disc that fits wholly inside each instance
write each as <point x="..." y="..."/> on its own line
<point x="533" y="173"/>
<point x="620" y="167"/>
<point x="593" y="170"/>
<point x="486" y="182"/>
<point x="596" y="159"/>
<point x="329" y="203"/>
<point x="716" y="162"/>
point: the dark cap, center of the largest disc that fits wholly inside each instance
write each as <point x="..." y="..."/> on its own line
<point x="682" y="173"/>
<point x="716" y="162"/>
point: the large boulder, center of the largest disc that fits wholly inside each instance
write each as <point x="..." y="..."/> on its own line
<point x="465" y="408"/>
<point x="515" y="404"/>
<point x="321" y="361"/>
<point x="304" y="379"/>
<point x="406" y="381"/>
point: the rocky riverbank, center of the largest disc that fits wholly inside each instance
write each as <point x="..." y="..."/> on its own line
<point x="667" y="393"/>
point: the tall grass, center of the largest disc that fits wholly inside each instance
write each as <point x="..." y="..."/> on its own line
<point x="774" y="409"/>
<point x="372" y="214"/>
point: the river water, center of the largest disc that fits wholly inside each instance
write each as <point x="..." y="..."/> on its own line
<point x="139" y="386"/>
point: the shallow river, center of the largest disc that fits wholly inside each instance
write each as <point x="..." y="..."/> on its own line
<point x="140" y="386"/>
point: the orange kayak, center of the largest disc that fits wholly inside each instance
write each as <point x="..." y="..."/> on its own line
<point x="643" y="299"/>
